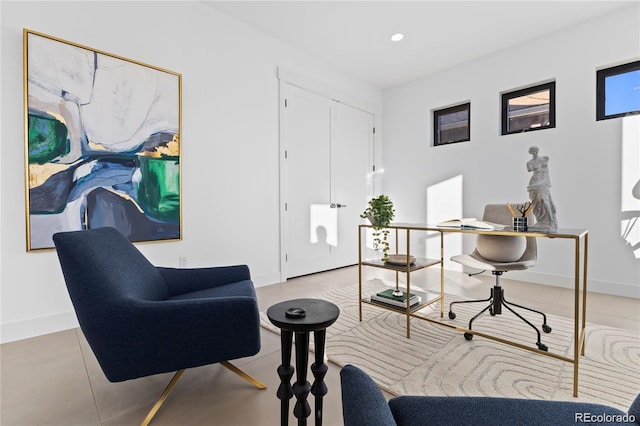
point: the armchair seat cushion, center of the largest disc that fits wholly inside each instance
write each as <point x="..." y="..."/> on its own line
<point x="239" y="289"/>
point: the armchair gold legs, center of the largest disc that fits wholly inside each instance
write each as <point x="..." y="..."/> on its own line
<point x="255" y="382"/>
<point x="177" y="376"/>
<point x="162" y="397"/>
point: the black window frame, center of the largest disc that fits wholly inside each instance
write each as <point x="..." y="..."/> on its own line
<point x="437" y="113"/>
<point x="507" y="96"/>
<point x="601" y="75"/>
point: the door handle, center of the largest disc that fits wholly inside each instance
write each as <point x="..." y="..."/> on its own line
<point x="337" y="206"/>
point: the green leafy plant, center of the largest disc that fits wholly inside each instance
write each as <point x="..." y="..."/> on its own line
<point x="380" y="213"/>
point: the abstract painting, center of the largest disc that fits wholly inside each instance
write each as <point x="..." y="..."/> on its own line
<point x="102" y="143"/>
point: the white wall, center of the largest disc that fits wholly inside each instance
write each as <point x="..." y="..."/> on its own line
<point x="586" y="156"/>
<point x="230" y="164"/>
<point x="230" y="134"/>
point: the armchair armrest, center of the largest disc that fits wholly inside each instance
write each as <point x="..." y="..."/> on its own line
<point x="180" y="281"/>
<point x="363" y="403"/>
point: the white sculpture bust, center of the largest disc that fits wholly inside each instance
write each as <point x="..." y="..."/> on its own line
<point x="540" y="191"/>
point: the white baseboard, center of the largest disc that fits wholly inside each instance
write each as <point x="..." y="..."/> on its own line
<point x="267" y="279"/>
<point x="19" y="330"/>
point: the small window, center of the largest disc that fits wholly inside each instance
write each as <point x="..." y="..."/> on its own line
<point x="618" y="91"/>
<point x="533" y="108"/>
<point x="451" y="124"/>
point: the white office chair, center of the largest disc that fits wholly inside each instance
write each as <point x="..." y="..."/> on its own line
<point x="500" y="254"/>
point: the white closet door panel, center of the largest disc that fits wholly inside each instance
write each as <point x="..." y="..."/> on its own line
<point x="351" y="166"/>
<point x="308" y="148"/>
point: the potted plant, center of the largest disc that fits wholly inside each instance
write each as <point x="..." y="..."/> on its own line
<point x="380" y="213"/>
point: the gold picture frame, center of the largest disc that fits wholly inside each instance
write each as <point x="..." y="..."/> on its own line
<point x="102" y="143"/>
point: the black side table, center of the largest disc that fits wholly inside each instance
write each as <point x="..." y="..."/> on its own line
<point x="317" y="316"/>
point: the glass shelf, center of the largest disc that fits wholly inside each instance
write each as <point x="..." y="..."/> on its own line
<point x="427" y="299"/>
<point x="420" y="263"/>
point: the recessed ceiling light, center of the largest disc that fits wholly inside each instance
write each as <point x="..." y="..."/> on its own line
<point x="397" y="37"/>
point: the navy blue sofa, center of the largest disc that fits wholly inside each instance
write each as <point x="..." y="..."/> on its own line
<point x="363" y="404"/>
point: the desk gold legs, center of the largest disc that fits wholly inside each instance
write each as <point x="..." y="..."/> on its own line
<point x="580" y="311"/>
<point x="576" y="322"/>
<point x="584" y="290"/>
<point x="441" y="274"/>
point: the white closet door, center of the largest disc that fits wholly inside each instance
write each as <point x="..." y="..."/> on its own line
<point x="307" y="161"/>
<point x="327" y="153"/>
<point x="351" y="177"/>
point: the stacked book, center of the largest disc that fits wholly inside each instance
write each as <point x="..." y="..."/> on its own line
<point x="386" y="297"/>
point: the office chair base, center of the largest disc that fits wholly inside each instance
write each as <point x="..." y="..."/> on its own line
<point x="496" y="302"/>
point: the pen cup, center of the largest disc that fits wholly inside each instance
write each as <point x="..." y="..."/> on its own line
<point x="520" y="223"/>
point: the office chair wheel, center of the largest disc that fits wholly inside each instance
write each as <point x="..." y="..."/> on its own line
<point x="546" y="328"/>
<point x="468" y="336"/>
<point x="542" y="347"/>
<point x="452" y="315"/>
<point x="493" y="314"/>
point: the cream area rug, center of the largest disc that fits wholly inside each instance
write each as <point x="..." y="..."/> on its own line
<point x="437" y="360"/>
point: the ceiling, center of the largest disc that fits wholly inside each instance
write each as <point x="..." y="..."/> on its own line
<point x="355" y="36"/>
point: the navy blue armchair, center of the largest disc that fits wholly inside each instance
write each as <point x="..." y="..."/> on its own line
<point x="363" y="404"/>
<point x="141" y="320"/>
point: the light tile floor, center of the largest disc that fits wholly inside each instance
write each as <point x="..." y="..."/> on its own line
<point x="55" y="379"/>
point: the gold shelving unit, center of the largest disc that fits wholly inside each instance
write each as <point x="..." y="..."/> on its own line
<point x="408" y="269"/>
